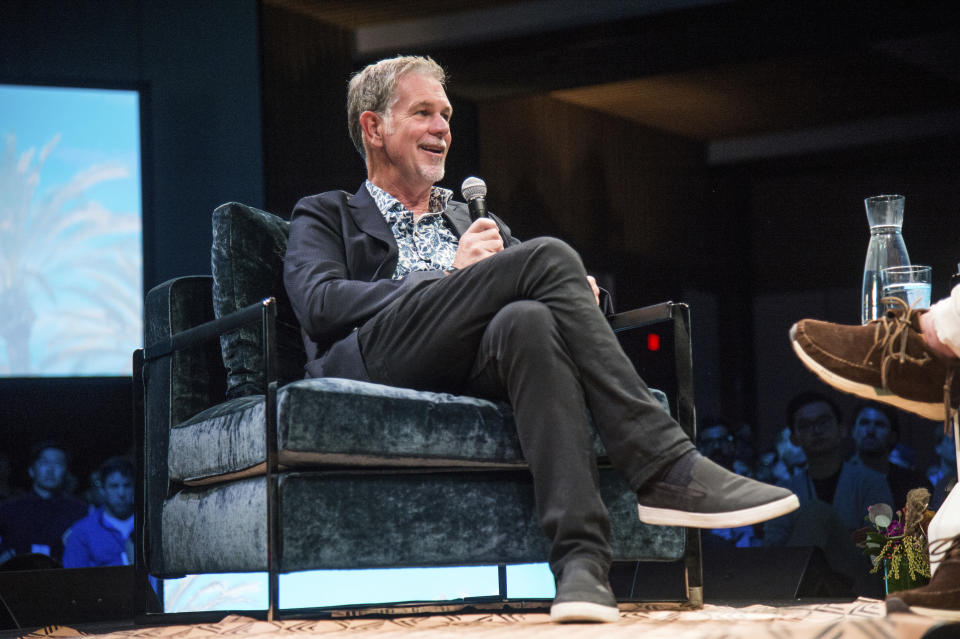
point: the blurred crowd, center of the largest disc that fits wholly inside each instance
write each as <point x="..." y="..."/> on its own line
<point x="48" y="525"/>
<point x="837" y="467"/>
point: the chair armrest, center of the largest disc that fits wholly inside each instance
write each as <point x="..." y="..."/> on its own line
<point x="645" y="315"/>
<point x="160" y="369"/>
<point x="207" y="330"/>
<point x="678" y="314"/>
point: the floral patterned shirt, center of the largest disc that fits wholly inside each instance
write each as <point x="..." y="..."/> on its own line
<point x="427" y="244"/>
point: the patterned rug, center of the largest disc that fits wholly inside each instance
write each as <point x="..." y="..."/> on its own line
<point x="861" y="619"/>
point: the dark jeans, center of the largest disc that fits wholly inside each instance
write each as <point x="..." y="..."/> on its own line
<point x="523" y="325"/>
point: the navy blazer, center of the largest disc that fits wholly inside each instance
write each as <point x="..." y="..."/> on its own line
<point x="340" y="259"/>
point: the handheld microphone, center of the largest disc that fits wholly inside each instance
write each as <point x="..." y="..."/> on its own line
<point x="474" y="191"/>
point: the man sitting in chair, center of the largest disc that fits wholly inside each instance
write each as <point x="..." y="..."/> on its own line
<point x="395" y="285"/>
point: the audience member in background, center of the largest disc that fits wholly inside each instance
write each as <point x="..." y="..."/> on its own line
<point x="767" y="467"/>
<point x="36" y="521"/>
<point x="93" y="495"/>
<point x="716" y="442"/>
<point x="102" y="538"/>
<point x="790" y="457"/>
<point x="834" y="496"/>
<point x="943" y="474"/>
<point x="745" y="453"/>
<point x="946" y="463"/>
<point x="904" y="455"/>
<point x="732" y="449"/>
<point x="875" y="432"/>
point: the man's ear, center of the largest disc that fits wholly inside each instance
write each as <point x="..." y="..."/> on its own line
<point x="372" y="126"/>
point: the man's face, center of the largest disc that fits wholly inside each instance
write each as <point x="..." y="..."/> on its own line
<point x="815" y="430"/>
<point x="49" y="470"/>
<point x="717" y="444"/>
<point x="118" y="495"/>
<point x="416" y="131"/>
<point x="871" y="431"/>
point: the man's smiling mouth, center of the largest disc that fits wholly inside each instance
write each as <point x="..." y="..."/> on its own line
<point x="435" y="149"/>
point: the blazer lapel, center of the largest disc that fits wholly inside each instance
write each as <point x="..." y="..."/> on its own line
<point x="368" y="216"/>
<point x="384" y="252"/>
<point x="459" y="217"/>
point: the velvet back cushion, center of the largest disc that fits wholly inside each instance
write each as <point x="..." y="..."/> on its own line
<point x="247" y="262"/>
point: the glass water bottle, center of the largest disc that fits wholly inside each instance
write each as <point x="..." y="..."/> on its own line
<point x="887" y="248"/>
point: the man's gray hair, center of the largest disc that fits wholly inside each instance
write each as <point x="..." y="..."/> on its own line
<point x="373" y="88"/>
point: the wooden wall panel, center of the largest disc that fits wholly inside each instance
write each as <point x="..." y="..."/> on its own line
<point x="306" y="66"/>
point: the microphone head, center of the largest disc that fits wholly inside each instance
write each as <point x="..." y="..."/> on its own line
<point x="472" y="188"/>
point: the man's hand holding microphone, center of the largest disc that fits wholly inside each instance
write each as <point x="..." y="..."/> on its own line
<point x="482" y="239"/>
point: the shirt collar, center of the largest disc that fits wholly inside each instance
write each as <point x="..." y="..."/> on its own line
<point x="391" y="208"/>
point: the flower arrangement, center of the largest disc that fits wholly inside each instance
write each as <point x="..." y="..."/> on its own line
<point x="899" y="544"/>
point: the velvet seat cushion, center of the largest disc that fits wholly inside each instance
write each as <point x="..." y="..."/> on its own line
<point x="366" y="519"/>
<point x="331" y="421"/>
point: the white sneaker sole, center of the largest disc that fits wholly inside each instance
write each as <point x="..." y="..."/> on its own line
<point x="583" y="611"/>
<point x="952" y="615"/>
<point x="923" y="409"/>
<point x="734" y="519"/>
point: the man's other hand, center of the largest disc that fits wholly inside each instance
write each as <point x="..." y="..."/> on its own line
<point x="592" y="281"/>
<point x="480" y="241"/>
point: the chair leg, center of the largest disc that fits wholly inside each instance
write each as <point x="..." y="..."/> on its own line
<point x="268" y="324"/>
<point x="686" y="416"/>
<point x="693" y="568"/>
<point x="141" y="577"/>
<point x="273" y="578"/>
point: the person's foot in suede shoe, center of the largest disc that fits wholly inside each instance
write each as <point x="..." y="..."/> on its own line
<point x="583" y="595"/>
<point x="698" y="493"/>
<point x="941" y="597"/>
<point x="895" y="359"/>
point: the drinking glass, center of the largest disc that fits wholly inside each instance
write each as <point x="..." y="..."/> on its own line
<point x="909" y="283"/>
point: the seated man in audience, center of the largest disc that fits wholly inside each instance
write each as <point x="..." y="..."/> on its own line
<point x="102" y="538"/>
<point x="909" y="359"/>
<point x="36" y="521"/>
<point x="395" y="284"/>
<point x="717" y="443"/>
<point x="943" y="474"/>
<point x="876" y="430"/>
<point x="834" y="496"/>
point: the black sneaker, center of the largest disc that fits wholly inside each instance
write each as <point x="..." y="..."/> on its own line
<point x="698" y="493"/>
<point x="583" y="595"/>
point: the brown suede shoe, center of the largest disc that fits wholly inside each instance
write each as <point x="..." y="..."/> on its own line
<point x="886" y="360"/>
<point x="941" y="597"/>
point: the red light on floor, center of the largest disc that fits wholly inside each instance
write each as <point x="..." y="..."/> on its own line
<point x="653" y="342"/>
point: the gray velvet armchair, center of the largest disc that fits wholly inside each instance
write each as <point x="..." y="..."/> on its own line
<point x="247" y="466"/>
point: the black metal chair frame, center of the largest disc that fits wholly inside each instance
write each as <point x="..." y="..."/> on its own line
<point x="265" y="312"/>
